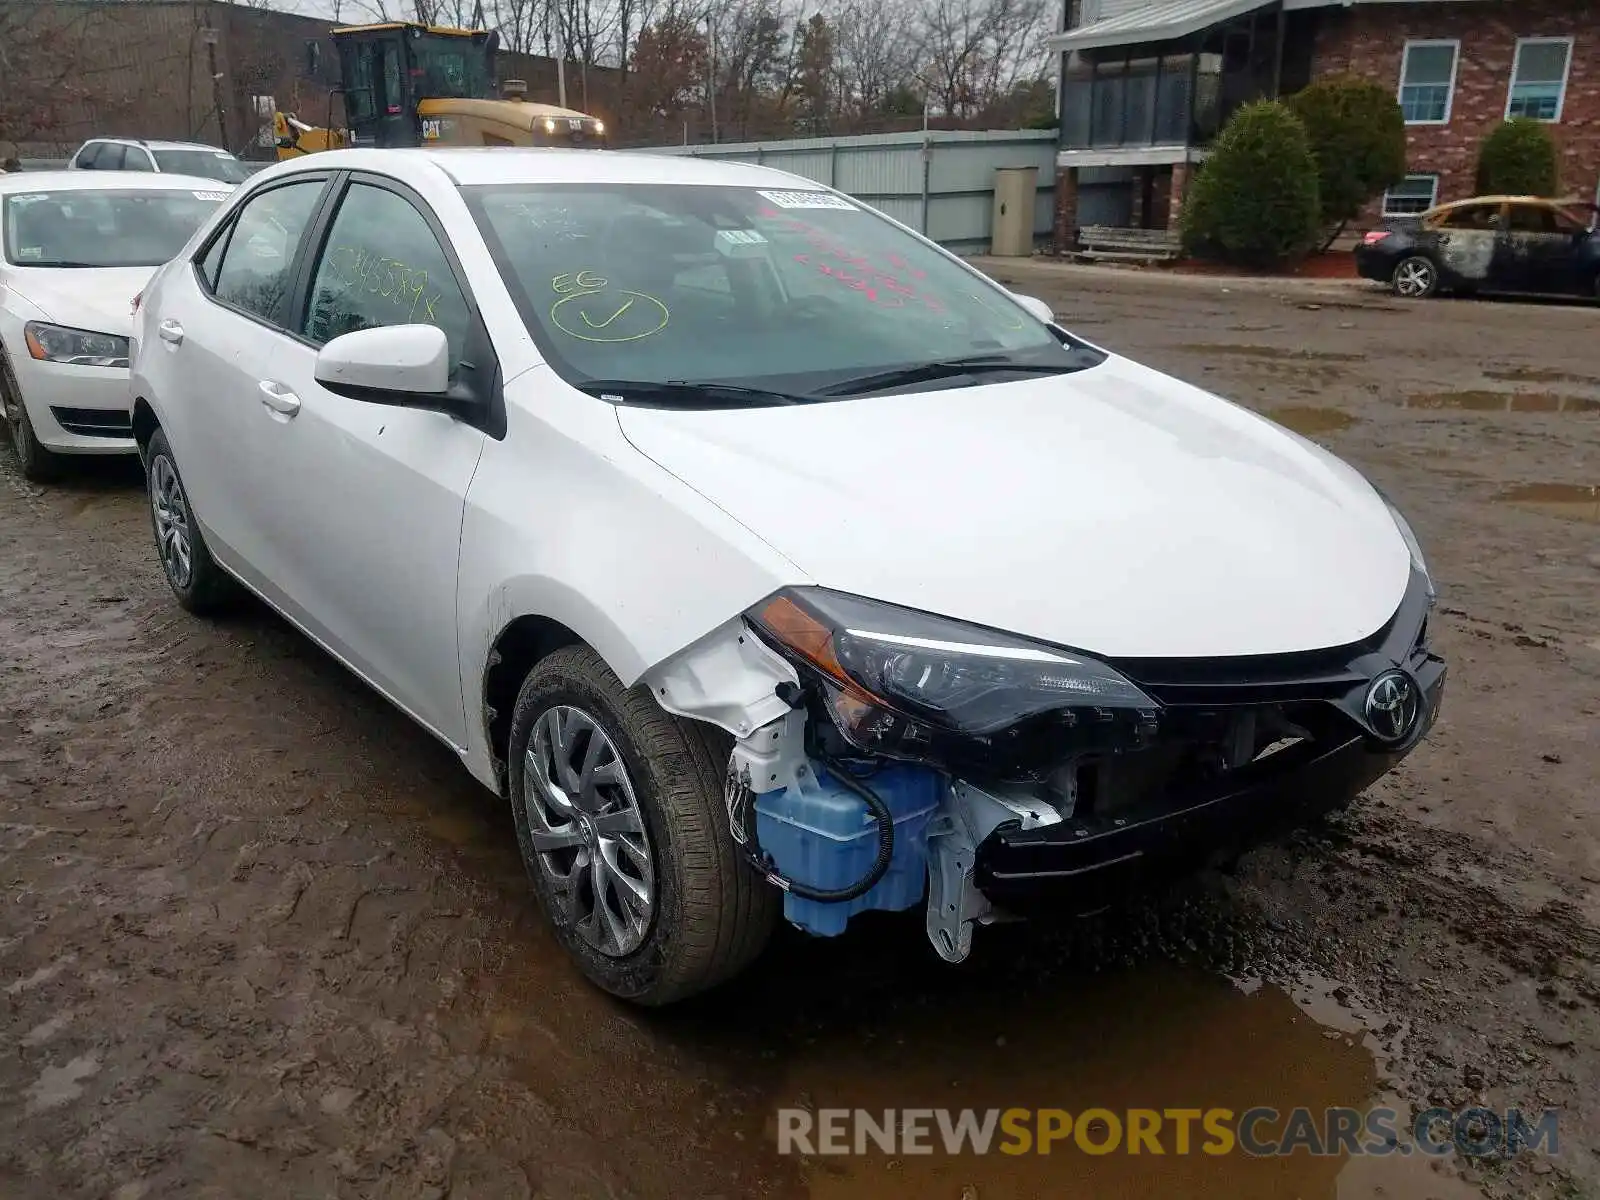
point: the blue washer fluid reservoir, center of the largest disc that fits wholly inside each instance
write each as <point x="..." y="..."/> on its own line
<point x="821" y="834"/>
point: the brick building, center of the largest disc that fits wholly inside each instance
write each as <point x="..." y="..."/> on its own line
<point x="1147" y="84"/>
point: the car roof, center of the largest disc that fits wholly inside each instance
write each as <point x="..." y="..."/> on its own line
<point x="469" y="166"/>
<point x="108" y="181"/>
<point x="150" y="144"/>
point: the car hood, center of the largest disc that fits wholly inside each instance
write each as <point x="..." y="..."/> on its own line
<point x="1114" y="510"/>
<point x="99" y="299"/>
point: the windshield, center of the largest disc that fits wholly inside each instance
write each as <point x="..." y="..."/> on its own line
<point x="84" y="228"/>
<point x="207" y="164"/>
<point x="802" y="294"/>
<point x="448" y="66"/>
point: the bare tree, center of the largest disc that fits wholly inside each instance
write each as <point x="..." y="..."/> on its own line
<point x="43" y="50"/>
<point x="876" y="53"/>
<point x="975" y="50"/>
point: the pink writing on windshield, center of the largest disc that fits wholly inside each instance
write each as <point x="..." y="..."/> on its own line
<point x="891" y="285"/>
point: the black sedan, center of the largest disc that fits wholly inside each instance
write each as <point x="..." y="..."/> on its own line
<point x="1491" y="244"/>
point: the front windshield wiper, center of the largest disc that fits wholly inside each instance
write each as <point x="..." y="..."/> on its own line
<point x="947" y="368"/>
<point x="684" y="393"/>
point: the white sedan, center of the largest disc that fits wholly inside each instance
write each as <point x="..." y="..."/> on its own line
<point x="77" y="248"/>
<point x="763" y="555"/>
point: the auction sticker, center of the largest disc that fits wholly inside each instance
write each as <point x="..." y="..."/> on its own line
<point x="807" y="200"/>
<point x="218" y="196"/>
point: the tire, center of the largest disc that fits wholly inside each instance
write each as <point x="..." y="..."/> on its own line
<point x="200" y="586"/>
<point x="707" y="915"/>
<point x="38" y="464"/>
<point x="1415" y="277"/>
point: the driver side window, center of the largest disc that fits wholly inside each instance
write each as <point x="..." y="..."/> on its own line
<point x="1533" y="218"/>
<point x="382" y="265"/>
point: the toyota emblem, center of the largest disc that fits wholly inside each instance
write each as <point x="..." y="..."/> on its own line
<point x="1393" y="706"/>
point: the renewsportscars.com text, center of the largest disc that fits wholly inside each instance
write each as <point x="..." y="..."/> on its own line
<point x="1260" y="1132"/>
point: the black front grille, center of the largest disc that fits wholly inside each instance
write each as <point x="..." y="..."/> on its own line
<point x="1311" y="675"/>
<point x="93" y="422"/>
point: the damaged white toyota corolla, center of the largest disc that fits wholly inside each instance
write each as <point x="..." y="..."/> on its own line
<point x="764" y="555"/>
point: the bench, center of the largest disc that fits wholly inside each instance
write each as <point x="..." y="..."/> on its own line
<point x="1108" y="243"/>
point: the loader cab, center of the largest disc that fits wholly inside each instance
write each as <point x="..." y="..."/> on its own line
<point x="388" y="69"/>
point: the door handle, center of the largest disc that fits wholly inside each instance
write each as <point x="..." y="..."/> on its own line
<point x="170" y="331"/>
<point x="279" y="398"/>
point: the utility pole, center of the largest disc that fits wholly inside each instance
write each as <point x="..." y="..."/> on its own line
<point x="209" y="36"/>
<point x="711" y="83"/>
<point x="561" y="54"/>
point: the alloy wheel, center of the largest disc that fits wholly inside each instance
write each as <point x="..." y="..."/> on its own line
<point x="1414" y="278"/>
<point x="588" y="831"/>
<point x="171" y="510"/>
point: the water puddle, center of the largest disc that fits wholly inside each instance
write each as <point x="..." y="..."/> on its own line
<point x="1269" y="352"/>
<point x="1541" y="375"/>
<point x="1310" y="420"/>
<point x="1157" y="1038"/>
<point x="1568" y="501"/>
<point x="1530" y="402"/>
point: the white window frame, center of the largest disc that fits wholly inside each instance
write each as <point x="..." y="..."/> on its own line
<point x="1433" y="200"/>
<point x="1455" y="68"/>
<point x="1566" y="74"/>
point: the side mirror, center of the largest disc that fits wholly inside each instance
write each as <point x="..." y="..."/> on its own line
<point x="407" y="365"/>
<point x="1037" y="307"/>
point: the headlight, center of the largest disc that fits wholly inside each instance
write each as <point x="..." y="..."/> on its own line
<point x="599" y="127"/>
<point x="1418" y="562"/>
<point x="909" y="685"/>
<point x="79" y="347"/>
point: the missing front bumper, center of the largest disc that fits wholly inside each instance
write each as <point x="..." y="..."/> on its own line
<point x="1082" y="864"/>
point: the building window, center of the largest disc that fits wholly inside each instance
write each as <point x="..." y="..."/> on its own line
<point x="1539" y="78"/>
<point x="1427" y="81"/>
<point x="1416" y="195"/>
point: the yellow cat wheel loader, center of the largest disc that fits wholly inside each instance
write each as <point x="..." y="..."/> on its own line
<point x="406" y="84"/>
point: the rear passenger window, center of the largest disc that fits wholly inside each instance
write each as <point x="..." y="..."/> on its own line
<point x="382" y="265"/>
<point x="109" y="158"/>
<point x="255" y="272"/>
<point x="1472" y="216"/>
<point x="208" y="262"/>
<point x="137" y="160"/>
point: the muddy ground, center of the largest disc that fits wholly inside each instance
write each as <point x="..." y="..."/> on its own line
<point x="261" y="937"/>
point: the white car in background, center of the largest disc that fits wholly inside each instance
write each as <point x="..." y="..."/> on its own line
<point x="174" y="158"/>
<point x="75" y="249"/>
<point x="765" y="556"/>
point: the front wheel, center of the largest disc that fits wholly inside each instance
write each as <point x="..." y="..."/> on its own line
<point x="38" y="464"/>
<point x="623" y="829"/>
<point x="1416" y="278"/>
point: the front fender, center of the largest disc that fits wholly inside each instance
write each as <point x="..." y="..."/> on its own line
<point x="565" y="520"/>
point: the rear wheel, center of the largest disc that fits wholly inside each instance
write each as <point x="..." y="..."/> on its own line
<point x="38" y="464"/>
<point x="1416" y="278"/>
<point x="193" y="575"/>
<point x="624" y="832"/>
